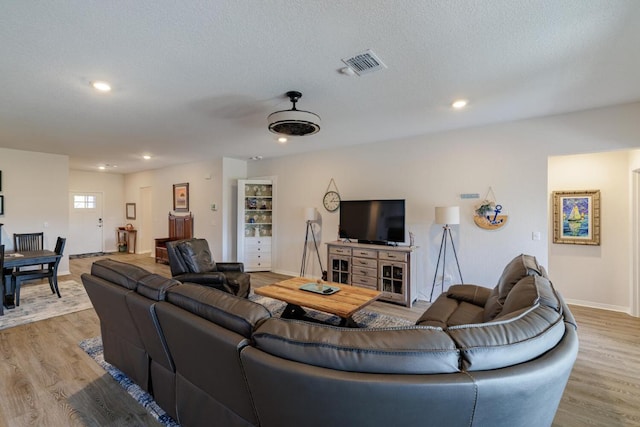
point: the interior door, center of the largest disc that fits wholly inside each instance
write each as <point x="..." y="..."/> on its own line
<point x="85" y="223"/>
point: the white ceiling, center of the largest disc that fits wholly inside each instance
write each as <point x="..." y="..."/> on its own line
<point x="196" y="79"/>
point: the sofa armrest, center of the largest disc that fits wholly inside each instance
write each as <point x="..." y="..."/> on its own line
<point x="230" y="266"/>
<point x="211" y="277"/>
<point x="473" y="294"/>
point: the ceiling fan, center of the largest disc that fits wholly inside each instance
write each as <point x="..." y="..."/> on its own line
<point x="294" y="122"/>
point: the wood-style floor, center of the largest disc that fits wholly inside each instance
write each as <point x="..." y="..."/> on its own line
<point x="47" y="380"/>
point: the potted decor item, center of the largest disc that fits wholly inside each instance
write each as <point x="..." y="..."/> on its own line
<point x="489" y="215"/>
<point x="485" y="208"/>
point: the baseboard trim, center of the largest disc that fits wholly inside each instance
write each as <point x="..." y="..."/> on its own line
<point x="592" y="304"/>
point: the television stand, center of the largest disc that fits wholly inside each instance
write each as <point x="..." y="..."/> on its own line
<point x="388" y="269"/>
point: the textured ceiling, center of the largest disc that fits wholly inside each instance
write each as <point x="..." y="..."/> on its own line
<point x="196" y="79"/>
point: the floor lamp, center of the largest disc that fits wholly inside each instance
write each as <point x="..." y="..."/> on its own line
<point x="310" y="216"/>
<point x="446" y="216"/>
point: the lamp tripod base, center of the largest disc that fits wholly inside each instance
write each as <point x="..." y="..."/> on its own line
<point x="446" y="232"/>
<point x="303" y="265"/>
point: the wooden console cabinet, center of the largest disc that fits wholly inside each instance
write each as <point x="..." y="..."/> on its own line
<point x="388" y="269"/>
<point x="180" y="227"/>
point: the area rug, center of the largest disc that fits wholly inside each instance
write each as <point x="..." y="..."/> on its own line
<point x="93" y="347"/>
<point x="38" y="303"/>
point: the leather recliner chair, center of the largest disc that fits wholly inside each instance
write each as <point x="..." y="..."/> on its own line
<point x="190" y="260"/>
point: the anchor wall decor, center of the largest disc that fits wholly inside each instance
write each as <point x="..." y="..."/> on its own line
<point x="489" y="215"/>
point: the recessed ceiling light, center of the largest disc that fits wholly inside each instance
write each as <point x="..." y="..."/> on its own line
<point x="460" y="103"/>
<point x="107" y="166"/>
<point x="101" y="86"/>
<point x="146" y="157"/>
<point x="282" y="140"/>
<point x="255" y="158"/>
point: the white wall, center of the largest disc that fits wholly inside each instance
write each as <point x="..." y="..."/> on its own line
<point x="433" y="170"/>
<point x="427" y="171"/>
<point x="112" y="188"/>
<point x="35" y="190"/>
<point x="232" y="170"/>
<point x="133" y="183"/>
<point x="606" y="268"/>
<point x="205" y="188"/>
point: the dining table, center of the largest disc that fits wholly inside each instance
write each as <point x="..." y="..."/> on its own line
<point x="13" y="260"/>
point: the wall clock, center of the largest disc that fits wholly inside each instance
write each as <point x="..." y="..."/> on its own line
<point x="331" y="201"/>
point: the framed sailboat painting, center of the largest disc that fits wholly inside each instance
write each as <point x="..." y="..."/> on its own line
<point x="576" y="217"/>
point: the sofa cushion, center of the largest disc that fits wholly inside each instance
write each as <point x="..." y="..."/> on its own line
<point x="529" y="291"/>
<point x="196" y="255"/>
<point x="518" y="337"/>
<point x="402" y="350"/>
<point x="492" y="307"/>
<point x="439" y="312"/>
<point x="446" y="311"/>
<point x="473" y="294"/>
<point x="229" y="311"/>
<point x="119" y="273"/>
<point x="519" y="267"/>
<point x="155" y="286"/>
<point x="466" y="313"/>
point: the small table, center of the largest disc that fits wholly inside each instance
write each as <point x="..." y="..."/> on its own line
<point x="128" y="237"/>
<point x="343" y="303"/>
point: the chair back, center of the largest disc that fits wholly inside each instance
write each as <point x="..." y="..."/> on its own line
<point x="2" y="271"/>
<point x="28" y="241"/>
<point x="1" y="280"/>
<point x="190" y="256"/>
<point x="60" y="243"/>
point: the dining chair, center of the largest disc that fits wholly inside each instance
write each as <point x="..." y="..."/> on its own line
<point x="28" y="242"/>
<point x="46" y="271"/>
<point x="1" y="280"/>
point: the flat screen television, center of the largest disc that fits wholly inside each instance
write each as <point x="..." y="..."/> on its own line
<point x="372" y="221"/>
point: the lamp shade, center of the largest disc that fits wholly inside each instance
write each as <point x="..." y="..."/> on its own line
<point x="447" y="215"/>
<point x="309" y="214"/>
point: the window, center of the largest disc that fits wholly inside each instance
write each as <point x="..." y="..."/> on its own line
<point x="84" y="202"/>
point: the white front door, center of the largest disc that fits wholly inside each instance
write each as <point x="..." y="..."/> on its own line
<point x="85" y="223"/>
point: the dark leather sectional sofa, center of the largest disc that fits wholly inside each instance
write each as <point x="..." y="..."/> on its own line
<point x="478" y="357"/>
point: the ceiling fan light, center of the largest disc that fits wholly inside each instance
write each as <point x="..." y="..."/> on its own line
<point x="459" y="104"/>
<point x="101" y="86"/>
<point x="294" y="122"/>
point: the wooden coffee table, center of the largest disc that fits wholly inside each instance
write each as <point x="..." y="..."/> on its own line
<point x="343" y="303"/>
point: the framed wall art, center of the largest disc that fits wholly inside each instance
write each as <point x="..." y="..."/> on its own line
<point x="1" y="205"/>
<point x="181" y="197"/>
<point x="576" y="217"/>
<point x="131" y="210"/>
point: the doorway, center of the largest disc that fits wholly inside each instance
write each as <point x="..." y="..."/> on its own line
<point x="635" y="235"/>
<point x="85" y="223"/>
<point x="146" y="221"/>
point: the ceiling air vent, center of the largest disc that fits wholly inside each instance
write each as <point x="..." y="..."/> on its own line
<point x="364" y="63"/>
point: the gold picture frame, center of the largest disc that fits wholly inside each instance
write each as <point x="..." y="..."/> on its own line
<point x="181" y="197"/>
<point x="576" y="217"/>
